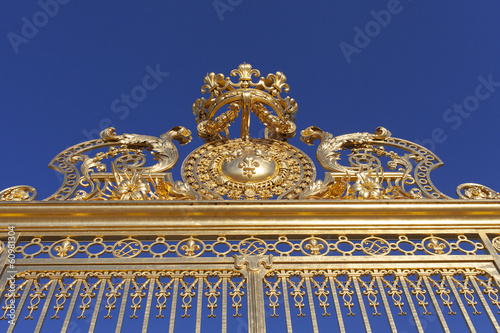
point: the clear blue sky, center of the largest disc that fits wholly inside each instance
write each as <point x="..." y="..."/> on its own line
<point x="58" y="80"/>
<point x="410" y="68"/>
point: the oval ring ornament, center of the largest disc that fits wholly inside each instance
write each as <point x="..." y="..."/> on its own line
<point x="252" y="246"/>
<point x="375" y="246"/>
<point x="127" y="248"/>
<point x="252" y="169"/>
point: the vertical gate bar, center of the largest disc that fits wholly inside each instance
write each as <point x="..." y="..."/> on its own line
<point x="174" y="302"/>
<point x="311" y="302"/>
<point x="48" y="299"/>
<point x="361" y="302"/>
<point x="20" y="306"/>
<point x="3" y="279"/>
<point x="199" y="305"/>
<point x="71" y="306"/>
<point x="287" y="305"/>
<point x="461" y="305"/>
<point x="149" y="300"/>
<point x="102" y="286"/>
<point x="486" y="306"/>
<point x="413" y="310"/>
<point x="335" y="297"/>
<point x="435" y="303"/>
<point x="387" y="308"/>
<point x="123" y="305"/>
<point x="224" y="302"/>
<point x="493" y="252"/>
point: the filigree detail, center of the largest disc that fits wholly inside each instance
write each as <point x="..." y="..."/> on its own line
<point x="321" y="292"/>
<point x="297" y="293"/>
<point x="11" y="296"/>
<point x="366" y="170"/>
<point x="129" y="170"/>
<point x="63" y="295"/>
<point x="466" y="289"/>
<point x="419" y="291"/>
<point x="112" y="295"/>
<point x="187" y="293"/>
<point x="273" y="293"/>
<point x="162" y="294"/>
<point x="237" y="293"/>
<point x="490" y="290"/>
<point x="444" y="293"/>
<point x="345" y="289"/>
<point x="370" y="292"/>
<point x="88" y="293"/>
<point x="127" y="248"/>
<point x="212" y="293"/>
<point x="18" y="193"/>
<point x="375" y="246"/>
<point x="395" y="292"/>
<point x="252" y="246"/>
<point x="139" y="293"/>
<point x="38" y="294"/>
<point x="476" y="191"/>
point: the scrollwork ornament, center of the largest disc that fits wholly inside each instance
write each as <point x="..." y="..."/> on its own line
<point x="127" y="248"/>
<point x="371" y="179"/>
<point x="375" y="246"/>
<point x="476" y="192"/>
<point x="18" y="193"/>
<point x="128" y="167"/>
<point x="252" y="246"/>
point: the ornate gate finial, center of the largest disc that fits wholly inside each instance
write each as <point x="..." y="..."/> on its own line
<point x="245" y="97"/>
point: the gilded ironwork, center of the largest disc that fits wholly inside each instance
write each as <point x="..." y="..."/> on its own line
<point x="322" y="253"/>
<point x="476" y="191"/>
<point x="247" y="168"/>
<point x="18" y="193"/>
<point x="282" y="246"/>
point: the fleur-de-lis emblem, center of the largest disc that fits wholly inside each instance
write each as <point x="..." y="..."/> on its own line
<point x="190" y="247"/>
<point x="245" y="73"/>
<point x="314" y="246"/>
<point x="63" y="249"/>
<point x="214" y="84"/>
<point x="436" y="246"/>
<point x="248" y="165"/>
<point x="276" y="83"/>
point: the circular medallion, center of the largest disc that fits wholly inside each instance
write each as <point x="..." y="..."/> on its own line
<point x="248" y="169"/>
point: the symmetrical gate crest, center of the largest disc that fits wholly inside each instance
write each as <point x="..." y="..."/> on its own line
<point x="358" y="165"/>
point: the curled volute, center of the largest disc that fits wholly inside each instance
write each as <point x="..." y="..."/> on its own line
<point x="330" y="147"/>
<point x="126" y="153"/>
<point x="372" y="171"/>
<point x="162" y="148"/>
